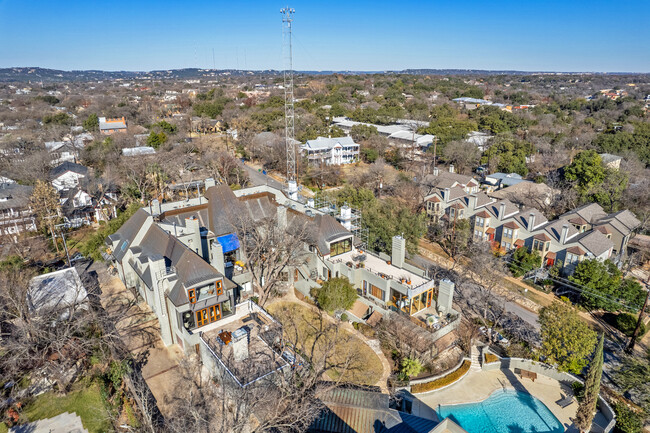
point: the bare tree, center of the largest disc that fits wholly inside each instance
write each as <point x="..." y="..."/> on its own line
<point x="272" y="246"/>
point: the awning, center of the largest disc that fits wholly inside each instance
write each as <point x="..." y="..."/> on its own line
<point x="551" y="255"/>
<point x="519" y="243"/>
<point x="229" y="242"/>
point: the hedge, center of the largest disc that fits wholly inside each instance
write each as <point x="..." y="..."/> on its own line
<point x="489" y="357"/>
<point x="442" y="381"/>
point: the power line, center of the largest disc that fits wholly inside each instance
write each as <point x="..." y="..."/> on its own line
<point x="576" y="286"/>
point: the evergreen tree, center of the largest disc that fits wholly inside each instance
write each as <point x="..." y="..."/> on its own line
<point x="587" y="406"/>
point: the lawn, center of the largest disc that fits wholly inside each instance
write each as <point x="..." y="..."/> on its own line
<point x="85" y="401"/>
<point x="366" y="367"/>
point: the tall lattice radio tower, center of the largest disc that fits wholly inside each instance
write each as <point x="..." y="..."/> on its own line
<point x="289" y="115"/>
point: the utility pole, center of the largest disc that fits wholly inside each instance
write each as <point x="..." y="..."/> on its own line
<point x="630" y="345"/>
<point x="289" y="115"/>
<point x="65" y="245"/>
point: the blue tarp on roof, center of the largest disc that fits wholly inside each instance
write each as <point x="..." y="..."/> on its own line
<point x="229" y="242"/>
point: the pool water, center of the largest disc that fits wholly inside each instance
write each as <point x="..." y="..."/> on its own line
<point x="504" y="412"/>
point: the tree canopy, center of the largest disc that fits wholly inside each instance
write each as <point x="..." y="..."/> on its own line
<point x="586" y="169"/>
<point x="566" y="340"/>
<point x="604" y="288"/>
<point x="335" y="294"/>
<point x="524" y="261"/>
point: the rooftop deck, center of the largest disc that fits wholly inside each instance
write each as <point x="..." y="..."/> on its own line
<point x="264" y="339"/>
<point x="381" y="267"/>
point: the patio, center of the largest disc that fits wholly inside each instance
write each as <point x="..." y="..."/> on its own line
<point x="380" y="267"/>
<point x="260" y="357"/>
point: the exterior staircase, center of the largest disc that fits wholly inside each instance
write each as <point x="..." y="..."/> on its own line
<point x="64" y="423"/>
<point x="475" y="357"/>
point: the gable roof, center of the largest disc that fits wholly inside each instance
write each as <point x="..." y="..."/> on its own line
<point x="68" y="166"/>
<point x="127" y="233"/>
<point x="554" y="229"/>
<point x="15" y="196"/>
<point x="523" y="218"/>
<point x="591" y="212"/>
<point x="595" y="242"/>
<point x="322" y="143"/>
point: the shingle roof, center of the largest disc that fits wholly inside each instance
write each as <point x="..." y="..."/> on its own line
<point x="68" y="166"/>
<point x="127" y="233"/>
<point x="595" y="242"/>
<point x="554" y="228"/>
<point x="523" y="218"/>
<point x="446" y="179"/>
<point x="483" y="214"/>
<point x="511" y="225"/>
<point x="15" y="196"/>
<point x="591" y="212"/>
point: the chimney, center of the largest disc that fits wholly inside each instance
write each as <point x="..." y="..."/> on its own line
<point x="346" y="217"/>
<point x="194" y="231"/>
<point x="531" y="221"/>
<point x="155" y="208"/>
<point x="446" y="197"/>
<point x="216" y="257"/>
<point x="502" y="210"/>
<point x="445" y="295"/>
<point x="451" y="168"/>
<point x="209" y="182"/>
<point x="282" y="216"/>
<point x="240" y="344"/>
<point x="563" y="235"/>
<point x="472" y="201"/>
<point x="399" y="251"/>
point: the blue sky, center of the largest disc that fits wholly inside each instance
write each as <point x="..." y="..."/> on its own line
<point x="569" y="35"/>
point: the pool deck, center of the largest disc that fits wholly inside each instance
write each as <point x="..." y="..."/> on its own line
<point x="479" y="384"/>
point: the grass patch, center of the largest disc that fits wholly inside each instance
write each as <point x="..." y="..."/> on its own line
<point x="3" y="428"/>
<point x="490" y="358"/>
<point x="443" y="381"/>
<point x="85" y="401"/>
<point x="366" y="368"/>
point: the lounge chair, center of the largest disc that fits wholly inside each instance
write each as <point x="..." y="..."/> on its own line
<point x="566" y="401"/>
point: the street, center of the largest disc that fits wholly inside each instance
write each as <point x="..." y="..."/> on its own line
<point x="257" y="178"/>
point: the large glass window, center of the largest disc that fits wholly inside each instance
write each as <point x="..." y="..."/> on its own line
<point x="341" y="247"/>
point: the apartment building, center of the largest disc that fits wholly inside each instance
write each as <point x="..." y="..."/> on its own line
<point x="585" y="232"/>
<point x="331" y="151"/>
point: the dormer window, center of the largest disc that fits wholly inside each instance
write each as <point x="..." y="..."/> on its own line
<point x="191" y="294"/>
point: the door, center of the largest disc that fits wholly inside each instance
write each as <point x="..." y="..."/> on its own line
<point x="429" y="297"/>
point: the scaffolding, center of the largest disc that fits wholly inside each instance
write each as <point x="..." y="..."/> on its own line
<point x="351" y="218"/>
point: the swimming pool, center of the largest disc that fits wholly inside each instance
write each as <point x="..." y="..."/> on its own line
<point x="504" y="412"/>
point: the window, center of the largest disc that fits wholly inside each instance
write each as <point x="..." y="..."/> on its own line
<point x="219" y="288"/>
<point x="202" y="317"/>
<point x="376" y="292"/>
<point x="208" y="315"/>
<point x="191" y="294"/>
<point x="538" y="245"/>
<point x="572" y="258"/>
<point x="479" y="222"/>
<point x="507" y="232"/>
<point x="340" y="247"/>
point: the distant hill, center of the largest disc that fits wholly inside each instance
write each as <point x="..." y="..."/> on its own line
<point x="53" y="75"/>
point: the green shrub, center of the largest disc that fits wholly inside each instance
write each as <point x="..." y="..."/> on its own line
<point x="443" y="381"/>
<point x="344" y="317"/>
<point x="409" y="367"/>
<point x="626" y="420"/>
<point x="578" y="389"/>
<point x="626" y="323"/>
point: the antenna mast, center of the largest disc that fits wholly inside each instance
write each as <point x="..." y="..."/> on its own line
<point x="289" y="116"/>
